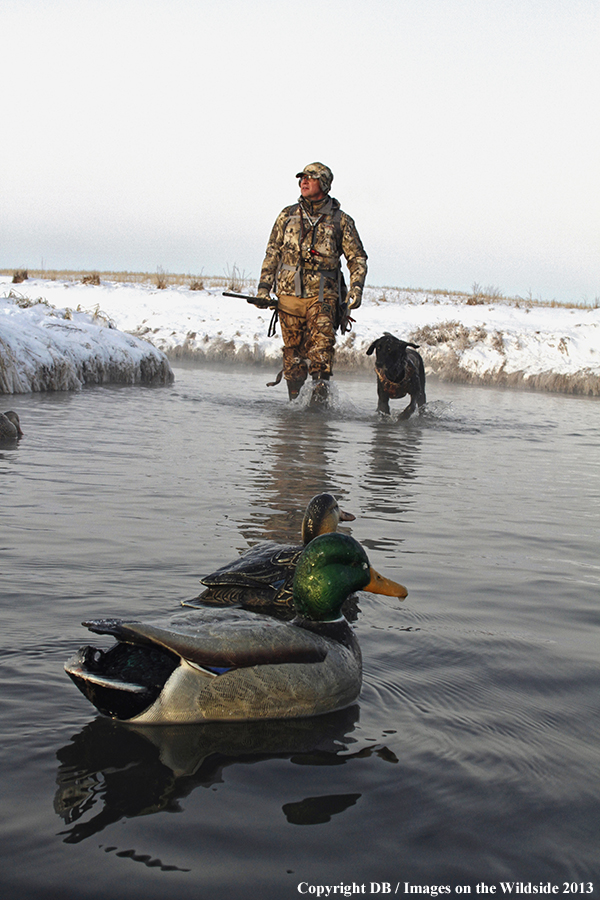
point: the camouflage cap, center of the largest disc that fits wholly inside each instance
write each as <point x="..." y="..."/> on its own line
<point x="322" y="173"/>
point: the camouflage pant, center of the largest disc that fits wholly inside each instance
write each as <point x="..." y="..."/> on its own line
<point x="308" y="337"/>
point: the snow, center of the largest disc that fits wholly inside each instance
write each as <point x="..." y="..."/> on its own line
<point x="45" y="349"/>
<point x="59" y="335"/>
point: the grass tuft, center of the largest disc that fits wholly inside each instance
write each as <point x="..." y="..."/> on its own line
<point x="91" y="278"/>
<point x="162" y="279"/>
<point x="235" y="280"/>
<point x="196" y="282"/>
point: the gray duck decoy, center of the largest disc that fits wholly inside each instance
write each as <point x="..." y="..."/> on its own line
<point x="238" y="665"/>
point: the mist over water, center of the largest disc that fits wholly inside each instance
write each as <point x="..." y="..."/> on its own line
<point x="472" y="753"/>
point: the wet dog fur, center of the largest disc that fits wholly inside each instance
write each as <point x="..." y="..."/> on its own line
<point x="400" y="371"/>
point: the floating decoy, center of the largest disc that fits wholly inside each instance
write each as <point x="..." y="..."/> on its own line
<point x="10" y="426"/>
<point x="232" y="664"/>
<point x="262" y="577"/>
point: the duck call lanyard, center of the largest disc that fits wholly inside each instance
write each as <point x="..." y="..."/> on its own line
<point x="297" y="270"/>
<point x="304" y="216"/>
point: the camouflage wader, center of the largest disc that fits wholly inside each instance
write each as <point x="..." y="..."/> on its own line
<point x="302" y="262"/>
<point x="310" y="337"/>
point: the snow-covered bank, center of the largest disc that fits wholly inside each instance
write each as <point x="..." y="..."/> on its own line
<point x="48" y="349"/>
<point x="550" y="348"/>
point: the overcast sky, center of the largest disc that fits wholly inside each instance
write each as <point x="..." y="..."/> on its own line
<point x="464" y="135"/>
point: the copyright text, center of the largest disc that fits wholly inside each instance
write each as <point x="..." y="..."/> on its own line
<point x="439" y="890"/>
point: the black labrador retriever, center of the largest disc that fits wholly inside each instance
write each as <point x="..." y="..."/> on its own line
<point x="400" y="371"/>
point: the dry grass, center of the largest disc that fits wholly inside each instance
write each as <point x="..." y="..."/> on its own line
<point x="479" y="296"/>
<point x="197" y="283"/>
<point x="170" y="279"/>
<point x="25" y="302"/>
<point x="235" y="280"/>
<point x="162" y="279"/>
<point x="443" y="345"/>
<point x="91" y="278"/>
<point x="454" y="333"/>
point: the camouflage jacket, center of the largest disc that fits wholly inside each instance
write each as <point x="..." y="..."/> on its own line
<point x="304" y="251"/>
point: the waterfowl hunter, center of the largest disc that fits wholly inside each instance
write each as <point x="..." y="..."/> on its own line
<point x="210" y="664"/>
<point x="262" y="577"/>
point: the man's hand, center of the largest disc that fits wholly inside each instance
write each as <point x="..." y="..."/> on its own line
<point x="263" y="298"/>
<point x="354" y="299"/>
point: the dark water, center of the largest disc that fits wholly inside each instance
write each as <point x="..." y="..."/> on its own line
<point x="473" y="753"/>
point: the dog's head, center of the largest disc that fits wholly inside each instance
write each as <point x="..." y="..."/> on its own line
<point x="390" y="352"/>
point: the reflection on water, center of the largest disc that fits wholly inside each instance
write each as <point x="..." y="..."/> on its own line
<point x="128" y="772"/>
<point x="393" y="462"/>
<point x="303" y="455"/>
<point x="289" y="472"/>
<point x="475" y="754"/>
<point x="318" y="810"/>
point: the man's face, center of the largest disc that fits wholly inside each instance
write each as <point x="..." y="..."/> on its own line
<point x="310" y="188"/>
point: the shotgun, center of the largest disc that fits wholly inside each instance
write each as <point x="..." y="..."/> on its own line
<point x="271" y="304"/>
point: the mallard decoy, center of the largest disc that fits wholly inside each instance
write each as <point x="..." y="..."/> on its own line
<point x="211" y="664"/>
<point x="262" y="577"/>
<point x="10" y="426"/>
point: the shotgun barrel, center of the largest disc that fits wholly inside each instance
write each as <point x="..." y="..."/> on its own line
<point x="255" y="300"/>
